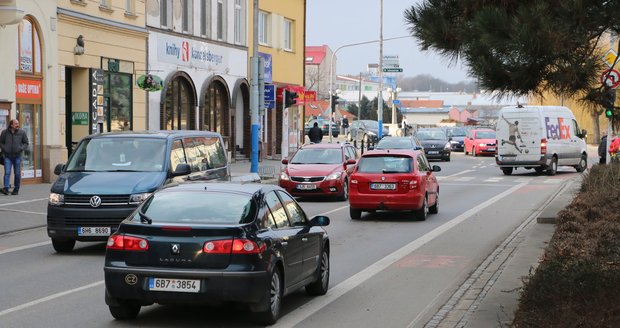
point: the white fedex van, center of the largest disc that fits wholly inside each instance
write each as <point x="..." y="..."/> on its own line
<point x="539" y="137"/>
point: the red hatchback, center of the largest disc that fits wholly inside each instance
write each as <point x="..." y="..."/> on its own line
<point x="480" y="142"/>
<point x="319" y="170"/>
<point x="394" y="180"/>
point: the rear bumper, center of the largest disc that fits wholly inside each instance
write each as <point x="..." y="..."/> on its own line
<point x="542" y="162"/>
<point x="401" y="202"/>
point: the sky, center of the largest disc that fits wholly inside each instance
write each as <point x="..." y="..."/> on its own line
<point x="342" y="22"/>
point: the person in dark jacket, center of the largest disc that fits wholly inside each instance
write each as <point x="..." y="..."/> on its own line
<point x="315" y="134"/>
<point x="602" y="149"/>
<point x="13" y="142"/>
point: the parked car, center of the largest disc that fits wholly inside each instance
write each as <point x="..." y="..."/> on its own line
<point x="324" y="125"/>
<point x="436" y="143"/>
<point x="319" y="170"/>
<point x="458" y="135"/>
<point x="394" y="180"/>
<point x="365" y="130"/>
<point x="110" y="174"/>
<point x="481" y="142"/>
<point x="203" y="243"/>
<point x="408" y="142"/>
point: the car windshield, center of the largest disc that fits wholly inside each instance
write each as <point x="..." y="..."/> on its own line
<point x="198" y="206"/>
<point x="395" y="143"/>
<point x="370" y="124"/>
<point x="485" y="135"/>
<point x="431" y="135"/>
<point x="385" y="164"/>
<point x="457" y="132"/>
<point x="317" y="156"/>
<point x="119" y="154"/>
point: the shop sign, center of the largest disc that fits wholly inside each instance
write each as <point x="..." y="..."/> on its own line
<point x="268" y="75"/>
<point x="79" y="118"/>
<point x="150" y="82"/>
<point x="31" y="89"/>
<point x="191" y="53"/>
<point x="95" y="99"/>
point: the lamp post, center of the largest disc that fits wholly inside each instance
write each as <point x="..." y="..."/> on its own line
<point x="393" y="95"/>
<point x="380" y="98"/>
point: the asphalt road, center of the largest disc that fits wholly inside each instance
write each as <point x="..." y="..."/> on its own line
<point x="387" y="269"/>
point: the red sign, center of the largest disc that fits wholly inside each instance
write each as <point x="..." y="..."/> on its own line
<point x="31" y="89"/>
<point x="611" y="78"/>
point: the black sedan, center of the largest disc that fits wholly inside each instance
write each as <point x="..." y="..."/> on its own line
<point x="435" y="142"/>
<point x="206" y="243"/>
<point x="324" y="125"/>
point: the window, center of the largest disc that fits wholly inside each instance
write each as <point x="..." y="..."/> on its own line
<point x="422" y="164"/>
<point x="187" y="16"/>
<point x="29" y="49"/>
<point x="105" y="4"/>
<point x="130" y="7"/>
<point x="277" y="210"/>
<point x="288" y="35"/>
<point x="177" y="156"/>
<point x="263" y="28"/>
<point x="205" y="12"/>
<point x="239" y="22"/>
<point x="298" y="218"/>
<point x="221" y="20"/>
<point x="163" y="13"/>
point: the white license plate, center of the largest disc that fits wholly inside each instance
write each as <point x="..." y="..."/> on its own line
<point x="383" y="186"/>
<point x="94" y="231"/>
<point x="433" y="152"/>
<point x="491" y="149"/>
<point x="174" y="285"/>
<point x="306" y="186"/>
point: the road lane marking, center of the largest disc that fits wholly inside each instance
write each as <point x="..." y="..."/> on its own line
<point x="21" y="248"/>
<point x="455" y="174"/>
<point x="306" y="310"/>
<point x="20" y="211"/>
<point x="23" y="202"/>
<point x="49" y="298"/>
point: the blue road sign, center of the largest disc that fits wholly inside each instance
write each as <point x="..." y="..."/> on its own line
<point x="396" y="102"/>
<point x="270" y="96"/>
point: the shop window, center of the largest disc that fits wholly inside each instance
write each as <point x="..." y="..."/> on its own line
<point x="28" y="49"/>
<point x="178" y="108"/>
<point x="119" y="100"/>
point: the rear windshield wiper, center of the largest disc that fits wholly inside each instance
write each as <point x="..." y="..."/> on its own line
<point x="144" y="218"/>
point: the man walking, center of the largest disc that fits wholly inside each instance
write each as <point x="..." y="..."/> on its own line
<point x="315" y="134"/>
<point x="345" y="124"/>
<point x="13" y="142"/>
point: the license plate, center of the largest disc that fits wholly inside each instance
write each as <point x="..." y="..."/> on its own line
<point x="491" y="149"/>
<point x="306" y="186"/>
<point x="383" y="186"/>
<point x="174" y="285"/>
<point x="433" y="152"/>
<point x="94" y="231"/>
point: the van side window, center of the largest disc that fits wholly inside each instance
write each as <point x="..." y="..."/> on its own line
<point x="193" y="157"/>
<point x="177" y="155"/>
<point x="576" y="130"/>
<point x="215" y="152"/>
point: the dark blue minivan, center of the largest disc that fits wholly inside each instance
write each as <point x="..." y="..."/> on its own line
<point x="110" y="174"/>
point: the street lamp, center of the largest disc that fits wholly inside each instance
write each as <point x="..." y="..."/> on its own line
<point x="393" y="95"/>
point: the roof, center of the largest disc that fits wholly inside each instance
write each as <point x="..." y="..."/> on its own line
<point x="248" y="188"/>
<point x="316" y="108"/>
<point x="315" y="54"/>
<point x="421" y="103"/>
<point x="324" y="145"/>
<point x="163" y="134"/>
<point x="425" y="110"/>
<point x="402" y="152"/>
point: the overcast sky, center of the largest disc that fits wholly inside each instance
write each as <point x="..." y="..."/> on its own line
<point x="341" y="22"/>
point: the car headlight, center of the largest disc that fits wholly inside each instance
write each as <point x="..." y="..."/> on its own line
<point x="447" y="145"/>
<point x="56" y="199"/>
<point x="482" y="144"/>
<point x="334" y="176"/>
<point x="138" y="198"/>
<point x="284" y="176"/>
<point x="453" y="142"/>
<point x="370" y="133"/>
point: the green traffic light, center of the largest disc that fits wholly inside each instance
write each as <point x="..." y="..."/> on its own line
<point x="609" y="113"/>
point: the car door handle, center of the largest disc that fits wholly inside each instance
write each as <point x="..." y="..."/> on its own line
<point x="304" y="239"/>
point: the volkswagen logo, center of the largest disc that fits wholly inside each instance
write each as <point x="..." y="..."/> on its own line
<point x="131" y="279"/>
<point x="95" y="201"/>
<point x="175" y="249"/>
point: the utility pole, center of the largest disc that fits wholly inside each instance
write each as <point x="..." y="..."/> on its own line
<point x="380" y="98"/>
<point x="254" y="94"/>
<point x="359" y="102"/>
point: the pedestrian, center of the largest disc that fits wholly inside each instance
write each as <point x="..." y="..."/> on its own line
<point x="404" y="125"/>
<point x="345" y="124"/>
<point x="315" y="134"/>
<point x="602" y="149"/>
<point x="13" y="142"/>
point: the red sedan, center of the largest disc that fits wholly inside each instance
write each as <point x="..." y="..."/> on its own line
<point x="319" y="170"/>
<point x="394" y="180"/>
<point x="480" y="142"/>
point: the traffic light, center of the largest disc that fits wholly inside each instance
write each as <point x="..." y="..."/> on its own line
<point x="290" y="98"/>
<point x="334" y="102"/>
<point x="609" y="98"/>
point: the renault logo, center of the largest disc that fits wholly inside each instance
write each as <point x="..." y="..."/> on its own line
<point x="95" y="201"/>
<point x="175" y="249"/>
<point x="131" y="279"/>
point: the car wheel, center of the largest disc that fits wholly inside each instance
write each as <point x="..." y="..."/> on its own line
<point x="349" y="138"/>
<point x="345" y="190"/>
<point x="435" y="208"/>
<point x="465" y="151"/>
<point x="420" y="214"/>
<point x="583" y="164"/>
<point x="539" y="170"/>
<point x="321" y="284"/>
<point x="553" y="168"/>
<point x="63" y="245"/>
<point x="507" y="170"/>
<point x="125" y="310"/>
<point x="446" y="159"/>
<point x="273" y="297"/>
<point x="355" y="213"/>
<point x="473" y="151"/>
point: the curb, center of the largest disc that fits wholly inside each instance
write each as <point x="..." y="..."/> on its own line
<point x="557" y="202"/>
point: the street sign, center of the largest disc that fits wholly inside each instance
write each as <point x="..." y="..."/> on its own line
<point x="270" y="96"/>
<point x="610" y="57"/>
<point x="396" y="102"/>
<point x="393" y="70"/>
<point x="611" y="78"/>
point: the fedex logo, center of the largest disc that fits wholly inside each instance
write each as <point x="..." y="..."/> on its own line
<point x="557" y="129"/>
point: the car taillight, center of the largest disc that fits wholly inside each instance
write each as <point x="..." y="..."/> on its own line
<point x="413" y="184"/>
<point x="127" y="243"/>
<point x="232" y="246"/>
<point x="543" y="146"/>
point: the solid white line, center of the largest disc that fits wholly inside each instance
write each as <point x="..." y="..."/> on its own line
<point x="23" y="201"/>
<point x="316" y="304"/>
<point x="20" y="248"/>
<point x="49" y="298"/>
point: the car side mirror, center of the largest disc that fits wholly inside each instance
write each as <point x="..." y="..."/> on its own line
<point x="351" y="161"/>
<point x="319" y="221"/>
<point x="436" y="168"/>
<point x="58" y="169"/>
<point x="449" y="138"/>
<point x="182" y="169"/>
<point x="285" y="161"/>
<point x="584" y="133"/>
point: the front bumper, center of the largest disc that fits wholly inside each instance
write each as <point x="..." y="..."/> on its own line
<point x="309" y="189"/>
<point x="63" y="222"/>
<point x="436" y="153"/>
